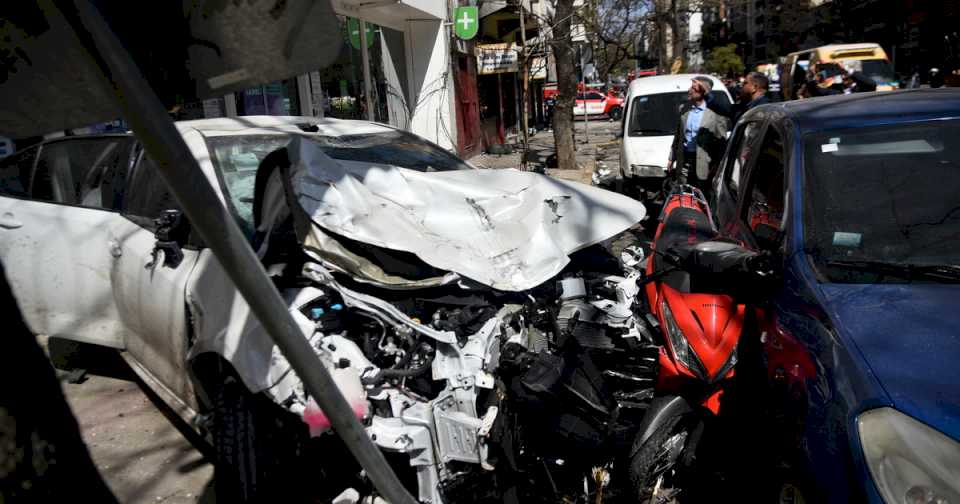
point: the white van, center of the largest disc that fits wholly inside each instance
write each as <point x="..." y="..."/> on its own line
<point x="651" y="116"/>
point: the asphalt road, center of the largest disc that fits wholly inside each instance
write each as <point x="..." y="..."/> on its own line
<point x="141" y="449"/>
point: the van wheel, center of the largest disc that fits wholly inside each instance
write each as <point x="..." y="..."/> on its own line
<point x="615" y="113"/>
<point x="253" y="452"/>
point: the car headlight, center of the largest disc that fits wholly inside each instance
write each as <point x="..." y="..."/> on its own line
<point x="641" y="170"/>
<point x="681" y="348"/>
<point x="910" y="462"/>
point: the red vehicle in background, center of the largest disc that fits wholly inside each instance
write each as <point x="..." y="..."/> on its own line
<point x="593" y="100"/>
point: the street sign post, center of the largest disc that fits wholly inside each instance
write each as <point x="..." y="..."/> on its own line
<point x="466" y="22"/>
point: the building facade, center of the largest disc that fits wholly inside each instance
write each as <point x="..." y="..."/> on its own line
<point x="394" y="66"/>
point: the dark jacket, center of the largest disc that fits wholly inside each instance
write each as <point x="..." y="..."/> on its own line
<point x="861" y="84"/>
<point x="711" y="139"/>
<point x="733" y="112"/>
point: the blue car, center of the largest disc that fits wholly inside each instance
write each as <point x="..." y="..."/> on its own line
<point x="859" y="351"/>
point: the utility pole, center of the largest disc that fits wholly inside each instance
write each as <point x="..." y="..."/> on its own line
<point x="524" y="91"/>
<point x="583" y="82"/>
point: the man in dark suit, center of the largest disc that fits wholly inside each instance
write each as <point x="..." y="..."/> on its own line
<point x="752" y="94"/>
<point x="852" y="82"/>
<point x="699" y="139"/>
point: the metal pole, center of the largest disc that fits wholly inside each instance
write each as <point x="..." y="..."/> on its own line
<point x="500" y="98"/>
<point x="365" y="58"/>
<point x="210" y="218"/>
<point x="586" y="113"/>
<point x="524" y="94"/>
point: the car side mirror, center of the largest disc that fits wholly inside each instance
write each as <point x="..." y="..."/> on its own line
<point x="618" y="134"/>
<point x="172" y="231"/>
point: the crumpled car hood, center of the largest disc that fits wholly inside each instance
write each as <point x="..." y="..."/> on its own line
<point x="507" y="229"/>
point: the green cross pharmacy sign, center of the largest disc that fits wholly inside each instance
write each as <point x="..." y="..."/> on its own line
<point x="466" y="22"/>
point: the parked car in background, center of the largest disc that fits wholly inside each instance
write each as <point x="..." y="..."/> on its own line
<point x="597" y="103"/>
<point x="856" y="197"/>
<point x="650" y="119"/>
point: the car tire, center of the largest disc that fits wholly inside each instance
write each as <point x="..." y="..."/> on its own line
<point x="615" y="113"/>
<point x="649" y="455"/>
<point x="253" y="453"/>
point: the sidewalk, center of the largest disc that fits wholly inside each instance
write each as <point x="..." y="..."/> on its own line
<point x="603" y="147"/>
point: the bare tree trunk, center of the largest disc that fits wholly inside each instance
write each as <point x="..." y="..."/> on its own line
<point x="679" y="33"/>
<point x="566" y="87"/>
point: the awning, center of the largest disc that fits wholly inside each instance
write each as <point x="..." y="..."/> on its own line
<point x="391" y="12"/>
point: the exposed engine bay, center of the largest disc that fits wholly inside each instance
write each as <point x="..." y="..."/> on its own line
<point x="478" y="386"/>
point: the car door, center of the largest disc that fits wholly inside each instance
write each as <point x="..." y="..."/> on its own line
<point x="56" y="244"/>
<point x="580" y="107"/>
<point x="762" y="205"/>
<point x="596" y="103"/>
<point x="149" y="284"/>
<point x="740" y="155"/>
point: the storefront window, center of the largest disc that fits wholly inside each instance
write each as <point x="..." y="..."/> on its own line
<point x="276" y="98"/>
<point x="343" y="85"/>
<point x="342" y="81"/>
<point x="392" y="77"/>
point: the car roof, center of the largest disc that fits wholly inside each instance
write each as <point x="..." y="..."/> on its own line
<point x="839" y="47"/>
<point x="865" y="109"/>
<point x="667" y="83"/>
<point x="246" y="125"/>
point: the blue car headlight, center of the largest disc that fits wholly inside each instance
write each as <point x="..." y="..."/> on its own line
<point x="910" y="462"/>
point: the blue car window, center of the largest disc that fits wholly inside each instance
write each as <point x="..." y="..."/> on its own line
<point x="885" y="194"/>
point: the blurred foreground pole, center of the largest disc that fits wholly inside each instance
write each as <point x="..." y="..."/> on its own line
<point x="209" y="217"/>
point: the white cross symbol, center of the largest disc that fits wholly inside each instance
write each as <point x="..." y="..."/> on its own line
<point x="465" y="21"/>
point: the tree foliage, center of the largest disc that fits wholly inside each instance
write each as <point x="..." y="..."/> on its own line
<point x="724" y="61"/>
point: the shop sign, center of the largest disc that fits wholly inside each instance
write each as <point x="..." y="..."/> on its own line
<point x="497" y="58"/>
<point x="466" y="22"/>
<point x="353" y="28"/>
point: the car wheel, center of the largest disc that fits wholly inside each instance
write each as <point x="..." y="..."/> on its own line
<point x="790" y="494"/>
<point x="654" y="463"/>
<point x="615" y="113"/>
<point x="253" y="452"/>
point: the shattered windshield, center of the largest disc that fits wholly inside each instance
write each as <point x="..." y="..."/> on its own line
<point x="883" y="196"/>
<point x="237" y="157"/>
<point x="397" y="148"/>
<point x="657" y="114"/>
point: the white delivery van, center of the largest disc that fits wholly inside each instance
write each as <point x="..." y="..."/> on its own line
<point x="650" y="119"/>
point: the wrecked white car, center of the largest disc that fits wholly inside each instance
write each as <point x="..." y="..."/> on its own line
<point x="493" y="350"/>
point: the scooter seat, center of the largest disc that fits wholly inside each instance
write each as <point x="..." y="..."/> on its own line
<point x="684" y="226"/>
<point x="681" y="226"/>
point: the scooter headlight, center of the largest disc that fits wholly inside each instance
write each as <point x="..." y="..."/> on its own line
<point x="681" y="348"/>
<point x="910" y="462"/>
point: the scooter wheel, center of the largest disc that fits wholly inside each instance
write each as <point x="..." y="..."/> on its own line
<point x="653" y="466"/>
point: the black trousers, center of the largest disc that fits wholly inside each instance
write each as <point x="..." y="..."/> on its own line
<point x="688" y="171"/>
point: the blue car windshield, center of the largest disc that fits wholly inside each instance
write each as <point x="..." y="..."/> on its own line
<point x="883" y="197"/>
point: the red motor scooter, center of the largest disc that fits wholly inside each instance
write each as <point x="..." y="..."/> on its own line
<point x="697" y="289"/>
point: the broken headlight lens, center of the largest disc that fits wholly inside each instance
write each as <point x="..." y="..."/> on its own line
<point x="909" y="461"/>
<point x="678" y="341"/>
